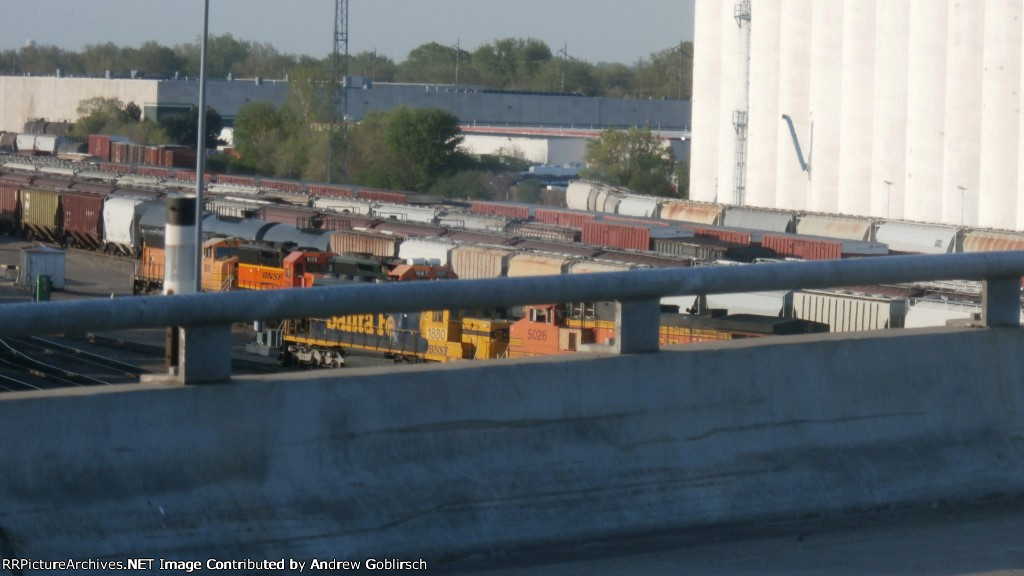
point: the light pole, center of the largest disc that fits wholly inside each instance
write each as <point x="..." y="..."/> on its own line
<point x="201" y="147"/>
<point x="962" y="190"/>
<point x="888" y="197"/>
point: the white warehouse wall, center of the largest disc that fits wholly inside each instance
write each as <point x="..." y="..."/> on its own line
<point x="923" y="94"/>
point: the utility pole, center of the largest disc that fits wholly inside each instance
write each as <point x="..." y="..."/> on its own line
<point x="681" y="64"/>
<point x="339" y="89"/>
<point x="458" y="50"/>
<point x="565" y="57"/>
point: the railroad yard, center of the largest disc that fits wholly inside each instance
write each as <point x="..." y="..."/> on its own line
<point x="50" y="361"/>
<point x="268" y="234"/>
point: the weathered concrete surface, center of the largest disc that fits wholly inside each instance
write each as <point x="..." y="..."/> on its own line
<point x="444" y="461"/>
<point x="979" y="539"/>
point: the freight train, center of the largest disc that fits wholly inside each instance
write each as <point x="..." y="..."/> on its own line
<point x="799" y="234"/>
<point x="58" y="202"/>
<point x="560" y="329"/>
<point x="443" y="336"/>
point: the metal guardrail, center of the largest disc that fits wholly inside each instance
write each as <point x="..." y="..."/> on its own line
<point x="207" y="318"/>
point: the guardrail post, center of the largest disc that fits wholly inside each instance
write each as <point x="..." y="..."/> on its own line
<point x="205" y="354"/>
<point x="638" y="322"/>
<point x="1000" y="302"/>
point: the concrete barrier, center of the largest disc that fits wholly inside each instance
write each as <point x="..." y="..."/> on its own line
<point x="436" y="462"/>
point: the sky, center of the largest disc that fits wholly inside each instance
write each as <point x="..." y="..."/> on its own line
<point x="590" y="30"/>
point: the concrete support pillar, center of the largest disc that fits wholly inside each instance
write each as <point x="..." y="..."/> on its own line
<point x="1000" y="302"/>
<point x="638" y="322"/>
<point x="205" y="354"/>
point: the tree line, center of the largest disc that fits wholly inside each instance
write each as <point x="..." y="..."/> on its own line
<point x="507" y="64"/>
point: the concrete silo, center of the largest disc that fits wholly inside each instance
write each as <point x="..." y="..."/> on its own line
<point x="961" y="169"/>
<point x="889" y="127"/>
<point x="707" y="106"/>
<point x="732" y="98"/>
<point x="858" y="69"/>
<point x="926" y="114"/>
<point x="762" y="151"/>
<point x="794" y="101"/>
<point x="1000" y="120"/>
<point x="826" y="100"/>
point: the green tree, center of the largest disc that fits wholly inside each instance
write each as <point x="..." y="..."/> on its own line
<point x="133" y="112"/>
<point x="223" y="53"/>
<point x="426" y="141"/>
<point x="469" y="184"/>
<point x="405" y="149"/>
<point x="370" y="160"/>
<point x="264" y="61"/>
<point x="666" y="74"/>
<point x="153" y="59"/>
<point x="98" y="116"/>
<point x="614" y="80"/>
<point x="374" y="66"/>
<point x="429" y="63"/>
<point x="634" y="158"/>
<point x="98" y="58"/>
<point x="528" y="191"/>
<point x="183" y="129"/>
<point x="110" y="116"/>
<point x="511" y="63"/>
<point x="305" y="119"/>
<point x="258" y="134"/>
<point x="683" y="179"/>
<point x="45" y="60"/>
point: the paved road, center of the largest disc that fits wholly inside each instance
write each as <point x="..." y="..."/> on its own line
<point x="985" y="539"/>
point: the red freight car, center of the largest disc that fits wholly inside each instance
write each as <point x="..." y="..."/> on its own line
<point x="805" y="248"/>
<point x="99" y="146"/>
<point x="723" y="234"/>
<point x="497" y="209"/>
<point x="381" y="195"/>
<point x="285" y="185"/>
<point x="329" y="190"/>
<point x="562" y="218"/>
<point x="616" y="235"/>
<point x="10" y="215"/>
<point x="237" y="180"/>
<point x="83" y="218"/>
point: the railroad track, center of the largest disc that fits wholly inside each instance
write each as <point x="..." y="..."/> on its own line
<point x="36" y="363"/>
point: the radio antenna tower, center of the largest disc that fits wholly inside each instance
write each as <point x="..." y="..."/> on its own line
<point x="339" y="91"/>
